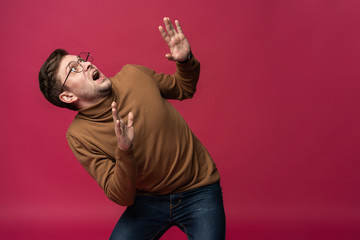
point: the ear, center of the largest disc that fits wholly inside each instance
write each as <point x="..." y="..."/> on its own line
<point x="68" y="97"/>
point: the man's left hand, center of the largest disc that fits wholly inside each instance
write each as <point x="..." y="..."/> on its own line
<point x="176" y="40"/>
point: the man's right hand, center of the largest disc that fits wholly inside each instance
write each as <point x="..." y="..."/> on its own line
<point x="124" y="132"/>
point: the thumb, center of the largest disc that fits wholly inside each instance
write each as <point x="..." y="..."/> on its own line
<point x="169" y="56"/>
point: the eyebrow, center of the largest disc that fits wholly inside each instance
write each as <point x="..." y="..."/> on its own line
<point x="67" y="65"/>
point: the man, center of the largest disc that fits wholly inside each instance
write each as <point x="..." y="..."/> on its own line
<point x="151" y="162"/>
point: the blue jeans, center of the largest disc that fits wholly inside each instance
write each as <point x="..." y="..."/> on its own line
<point x="199" y="213"/>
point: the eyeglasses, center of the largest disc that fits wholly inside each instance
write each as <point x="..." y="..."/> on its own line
<point x="75" y="66"/>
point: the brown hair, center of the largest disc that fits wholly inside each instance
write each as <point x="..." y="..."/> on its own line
<point x="50" y="85"/>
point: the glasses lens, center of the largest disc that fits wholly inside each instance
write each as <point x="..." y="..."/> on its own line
<point x="75" y="67"/>
<point x="86" y="56"/>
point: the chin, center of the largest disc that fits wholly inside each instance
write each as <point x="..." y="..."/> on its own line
<point x="105" y="86"/>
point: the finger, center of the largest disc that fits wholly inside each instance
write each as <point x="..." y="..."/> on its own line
<point x="130" y="119"/>
<point x="168" y="56"/>
<point x="118" y="129"/>
<point x="116" y="116"/>
<point x="178" y="27"/>
<point x="169" y="27"/>
<point x="164" y="34"/>
<point x="115" y="113"/>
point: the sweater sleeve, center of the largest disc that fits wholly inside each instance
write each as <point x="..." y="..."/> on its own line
<point x="182" y="84"/>
<point x="117" y="179"/>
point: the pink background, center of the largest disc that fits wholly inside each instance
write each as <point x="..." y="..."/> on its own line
<point x="277" y="107"/>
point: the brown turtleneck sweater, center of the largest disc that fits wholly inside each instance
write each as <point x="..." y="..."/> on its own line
<point x="166" y="156"/>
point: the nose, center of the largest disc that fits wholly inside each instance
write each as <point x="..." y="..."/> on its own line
<point x="86" y="65"/>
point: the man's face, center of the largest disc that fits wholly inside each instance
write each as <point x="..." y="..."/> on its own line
<point x="89" y="86"/>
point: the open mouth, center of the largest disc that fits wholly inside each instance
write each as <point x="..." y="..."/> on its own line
<point x="96" y="75"/>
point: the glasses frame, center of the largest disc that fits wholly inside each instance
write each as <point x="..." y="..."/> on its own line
<point x="89" y="58"/>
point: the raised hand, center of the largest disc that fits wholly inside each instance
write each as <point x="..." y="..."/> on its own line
<point x="124" y="132"/>
<point x="176" y="40"/>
